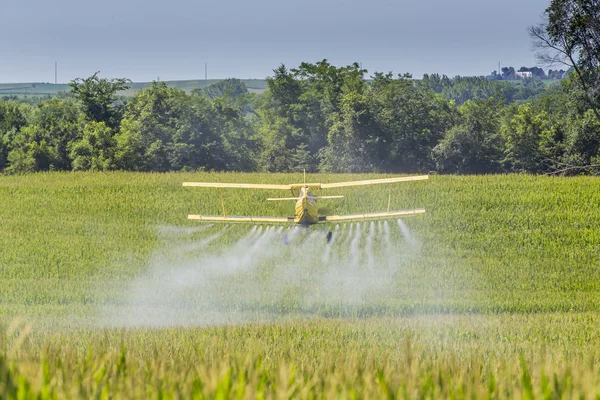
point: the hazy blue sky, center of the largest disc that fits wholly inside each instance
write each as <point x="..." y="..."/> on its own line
<point x="146" y="39"/>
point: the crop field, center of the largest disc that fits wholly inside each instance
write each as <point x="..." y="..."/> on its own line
<point x="108" y="291"/>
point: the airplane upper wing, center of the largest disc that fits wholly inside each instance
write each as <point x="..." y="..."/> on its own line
<point x="220" y="218"/>
<point x="374" y="181"/>
<point x="236" y="185"/>
<point x="299" y="185"/>
<point x="373" y="215"/>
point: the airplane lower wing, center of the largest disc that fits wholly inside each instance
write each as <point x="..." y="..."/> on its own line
<point x="373" y="215"/>
<point x="328" y="218"/>
<point x="236" y="185"/>
<point x="219" y="218"/>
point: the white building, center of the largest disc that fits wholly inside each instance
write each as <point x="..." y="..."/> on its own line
<point x="524" y="75"/>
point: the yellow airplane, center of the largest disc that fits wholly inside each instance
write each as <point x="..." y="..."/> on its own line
<point x="307" y="210"/>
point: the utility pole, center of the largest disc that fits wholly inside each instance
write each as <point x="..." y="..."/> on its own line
<point x="55" y="72"/>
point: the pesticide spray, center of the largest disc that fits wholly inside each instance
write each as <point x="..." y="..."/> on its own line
<point x="228" y="275"/>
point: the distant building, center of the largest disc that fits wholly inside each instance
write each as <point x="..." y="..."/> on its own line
<point x="524" y="75"/>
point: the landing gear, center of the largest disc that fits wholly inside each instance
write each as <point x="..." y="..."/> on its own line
<point x="329" y="236"/>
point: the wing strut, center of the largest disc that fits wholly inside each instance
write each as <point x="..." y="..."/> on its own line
<point x="223" y="203"/>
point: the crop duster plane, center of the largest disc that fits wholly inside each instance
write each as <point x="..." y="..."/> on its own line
<point x="306" y="210"/>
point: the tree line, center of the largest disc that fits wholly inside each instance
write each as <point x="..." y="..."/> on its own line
<point x="509" y="73"/>
<point x="322" y="117"/>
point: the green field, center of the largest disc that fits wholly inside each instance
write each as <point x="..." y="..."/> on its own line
<point x="107" y="291"/>
<point x="41" y="89"/>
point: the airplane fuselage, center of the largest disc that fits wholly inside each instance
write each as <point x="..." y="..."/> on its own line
<point x="307" y="210"/>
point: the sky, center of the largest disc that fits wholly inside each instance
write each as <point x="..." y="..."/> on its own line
<point x="144" y="40"/>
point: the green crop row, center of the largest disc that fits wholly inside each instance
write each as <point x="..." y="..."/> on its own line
<point x="541" y="356"/>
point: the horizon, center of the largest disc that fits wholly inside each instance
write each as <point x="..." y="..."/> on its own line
<point x="368" y="76"/>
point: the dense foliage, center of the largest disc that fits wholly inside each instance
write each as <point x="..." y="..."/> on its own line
<point x="317" y="117"/>
<point x="570" y="35"/>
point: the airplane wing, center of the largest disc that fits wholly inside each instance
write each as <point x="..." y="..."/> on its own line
<point x="373" y="215"/>
<point x="220" y="218"/>
<point x="374" y="181"/>
<point x="236" y="185"/>
<point x="299" y="185"/>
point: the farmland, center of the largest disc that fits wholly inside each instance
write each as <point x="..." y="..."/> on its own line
<point x="41" y="89"/>
<point x="107" y="290"/>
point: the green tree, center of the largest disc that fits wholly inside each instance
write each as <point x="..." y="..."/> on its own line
<point x="30" y="152"/>
<point x="474" y="145"/>
<point x="570" y="35"/>
<point x="164" y="129"/>
<point x="43" y="144"/>
<point x="98" y="98"/>
<point x="300" y="108"/>
<point x="355" y="139"/>
<point x="234" y="91"/>
<point x="324" y="87"/>
<point x="582" y="141"/>
<point x="528" y="137"/>
<point x="236" y="132"/>
<point x="147" y="130"/>
<point x="284" y="93"/>
<point x="12" y="119"/>
<point x="231" y="87"/>
<point x="508" y="73"/>
<point x="412" y="121"/>
<point x="94" y="151"/>
<point x="462" y="89"/>
<point x="282" y="146"/>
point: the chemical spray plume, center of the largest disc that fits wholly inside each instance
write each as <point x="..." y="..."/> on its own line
<point x="242" y="274"/>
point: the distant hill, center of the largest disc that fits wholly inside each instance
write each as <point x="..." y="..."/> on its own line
<point x="40" y="89"/>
